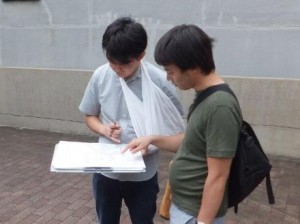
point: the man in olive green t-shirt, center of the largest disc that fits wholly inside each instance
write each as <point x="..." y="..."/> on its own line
<point x="200" y="169"/>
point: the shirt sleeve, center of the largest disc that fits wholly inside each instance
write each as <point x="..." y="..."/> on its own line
<point x="90" y="104"/>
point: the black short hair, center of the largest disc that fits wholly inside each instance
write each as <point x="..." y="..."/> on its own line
<point x="187" y="47"/>
<point x="123" y="40"/>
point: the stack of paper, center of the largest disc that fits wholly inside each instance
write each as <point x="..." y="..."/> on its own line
<point x="95" y="157"/>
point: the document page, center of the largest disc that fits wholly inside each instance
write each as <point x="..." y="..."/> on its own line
<point x="94" y="157"/>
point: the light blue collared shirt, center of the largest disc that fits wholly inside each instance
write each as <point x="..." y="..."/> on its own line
<point x="104" y="98"/>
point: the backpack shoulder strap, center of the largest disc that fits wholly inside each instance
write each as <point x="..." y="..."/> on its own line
<point x="206" y="93"/>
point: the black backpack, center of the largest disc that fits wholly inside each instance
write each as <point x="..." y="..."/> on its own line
<point x="250" y="164"/>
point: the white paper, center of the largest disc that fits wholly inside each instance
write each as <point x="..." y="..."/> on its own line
<point x="94" y="157"/>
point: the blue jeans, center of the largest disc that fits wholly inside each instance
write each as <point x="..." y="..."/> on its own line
<point x="178" y="216"/>
<point x="140" y="198"/>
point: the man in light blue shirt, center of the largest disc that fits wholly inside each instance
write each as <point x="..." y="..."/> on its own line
<point x="106" y="114"/>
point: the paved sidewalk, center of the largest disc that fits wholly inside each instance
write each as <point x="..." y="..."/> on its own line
<point x="30" y="194"/>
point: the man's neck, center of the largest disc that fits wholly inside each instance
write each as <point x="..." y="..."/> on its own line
<point x="205" y="81"/>
<point x="136" y="70"/>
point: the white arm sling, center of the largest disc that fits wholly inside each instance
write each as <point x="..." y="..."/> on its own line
<point x="156" y="115"/>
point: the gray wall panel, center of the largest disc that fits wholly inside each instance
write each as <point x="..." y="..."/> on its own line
<point x="257" y="52"/>
<point x="48" y="48"/>
<point x="20" y="14"/>
<point x="254" y="38"/>
<point x="73" y="12"/>
<point x="97" y="56"/>
<point x="204" y="13"/>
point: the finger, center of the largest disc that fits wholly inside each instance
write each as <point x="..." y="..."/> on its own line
<point x="114" y="126"/>
<point x="127" y="147"/>
<point x="115" y="139"/>
<point x="134" y="150"/>
<point x="116" y="133"/>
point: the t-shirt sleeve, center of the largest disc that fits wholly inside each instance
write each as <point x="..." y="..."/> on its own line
<point x="222" y="132"/>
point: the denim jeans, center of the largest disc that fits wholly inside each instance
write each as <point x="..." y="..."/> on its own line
<point x="139" y="197"/>
<point x="178" y="216"/>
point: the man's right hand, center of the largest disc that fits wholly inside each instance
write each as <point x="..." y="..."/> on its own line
<point x="139" y="144"/>
<point x="112" y="131"/>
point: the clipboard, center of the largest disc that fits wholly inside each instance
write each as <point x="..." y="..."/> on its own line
<point x="81" y="157"/>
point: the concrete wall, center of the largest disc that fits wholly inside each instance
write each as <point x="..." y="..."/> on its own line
<point x="48" y="100"/>
<point x="253" y="38"/>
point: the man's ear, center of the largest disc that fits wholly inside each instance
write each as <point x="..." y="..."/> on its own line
<point x="140" y="57"/>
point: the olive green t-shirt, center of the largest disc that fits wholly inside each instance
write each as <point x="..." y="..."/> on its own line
<point x="212" y="131"/>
